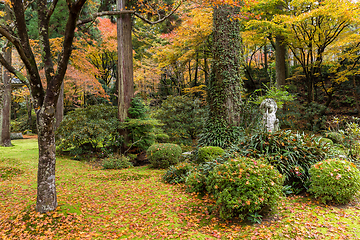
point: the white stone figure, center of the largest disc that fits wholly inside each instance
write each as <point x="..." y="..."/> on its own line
<point x="268" y="107"/>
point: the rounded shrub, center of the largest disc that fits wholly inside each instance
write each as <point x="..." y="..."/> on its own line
<point x="177" y="173"/>
<point x="116" y="162"/>
<point x="334" y="180"/>
<point x="208" y="153"/>
<point x="163" y="155"/>
<point x="196" y="181"/>
<point x="244" y="186"/>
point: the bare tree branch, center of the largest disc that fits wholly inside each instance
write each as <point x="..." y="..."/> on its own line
<point x="105" y="13"/>
<point x="159" y="20"/>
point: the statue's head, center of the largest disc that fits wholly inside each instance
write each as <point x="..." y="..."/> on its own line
<point x="268" y="105"/>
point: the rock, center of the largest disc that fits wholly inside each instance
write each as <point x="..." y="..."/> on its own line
<point x="268" y="107"/>
<point x="16" y="136"/>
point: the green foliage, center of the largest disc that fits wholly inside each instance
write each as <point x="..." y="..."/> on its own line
<point x="314" y="116"/>
<point x="291" y="153"/>
<point x="208" y="153"/>
<point x="334" y="180"/>
<point x="23" y="123"/>
<point x="196" y="181"/>
<point x="280" y="96"/>
<point x="143" y="130"/>
<point x="217" y="132"/>
<point x="244" y="186"/>
<point x="336" y="137"/>
<point x="89" y="129"/>
<point x="183" y="118"/>
<point x="163" y="155"/>
<point x="177" y="173"/>
<point x="116" y="162"/>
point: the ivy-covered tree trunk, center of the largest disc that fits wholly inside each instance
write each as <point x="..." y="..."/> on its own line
<point x="5" y="103"/>
<point x="225" y="83"/>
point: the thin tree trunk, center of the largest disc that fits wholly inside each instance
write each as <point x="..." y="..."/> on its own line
<point x="5" y="107"/>
<point x="280" y="58"/>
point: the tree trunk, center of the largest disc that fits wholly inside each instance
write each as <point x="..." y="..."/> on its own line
<point x="125" y="62"/>
<point x="46" y="189"/>
<point x="280" y="58"/>
<point x="224" y="96"/>
<point x="5" y="107"/>
<point x="59" y="114"/>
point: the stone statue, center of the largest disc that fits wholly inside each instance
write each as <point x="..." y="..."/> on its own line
<point x="268" y="107"/>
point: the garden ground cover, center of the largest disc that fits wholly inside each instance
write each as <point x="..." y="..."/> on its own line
<point x="135" y="204"/>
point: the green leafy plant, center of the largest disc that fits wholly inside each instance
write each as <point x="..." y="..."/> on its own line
<point x="163" y="155"/>
<point x="142" y="129"/>
<point x="244" y="186"/>
<point x="255" y="218"/>
<point x="281" y="96"/>
<point x="177" y="173"/>
<point x="116" y="162"/>
<point x="208" y="153"/>
<point x="334" y="180"/>
<point x="291" y="153"/>
<point x="90" y="129"/>
<point x="183" y="118"/>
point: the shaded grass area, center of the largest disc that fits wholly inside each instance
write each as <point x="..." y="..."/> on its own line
<point x="134" y="204"/>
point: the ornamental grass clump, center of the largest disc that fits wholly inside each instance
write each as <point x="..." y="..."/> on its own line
<point x="208" y="153"/>
<point x="163" y="155"/>
<point x="244" y="186"/>
<point x="177" y="173"/>
<point x="334" y="180"/>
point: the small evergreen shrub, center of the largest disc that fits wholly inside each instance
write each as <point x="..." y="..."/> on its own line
<point x="195" y="182"/>
<point x="334" y="180"/>
<point x="177" y="173"/>
<point x="163" y="155"/>
<point x="206" y="154"/>
<point x="116" y="162"/>
<point x="244" y="186"/>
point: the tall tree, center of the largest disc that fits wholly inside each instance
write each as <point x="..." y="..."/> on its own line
<point x="225" y="84"/>
<point x="5" y="101"/>
<point x="44" y="99"/>
<point x="5" y="94"/>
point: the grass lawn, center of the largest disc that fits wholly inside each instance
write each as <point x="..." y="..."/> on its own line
<point x="135" y="204"/>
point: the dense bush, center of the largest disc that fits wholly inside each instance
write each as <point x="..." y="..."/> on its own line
<point x="291" y="153"/>
<point x="24" y="124"/>
<point x="177" y="173"/>
<point x="334" y="180"/>
<point x="163" y="155"/>
<point x="244" y="186"/>
<point x="89" y="129"/>
<point x="183" y="118"/>
<point x="208" y="153"/>
<point x="116" y="162"/>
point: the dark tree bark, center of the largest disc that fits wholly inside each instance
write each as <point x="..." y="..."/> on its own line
<point x="224" y="95"/>
<point x="280" y="61"/>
